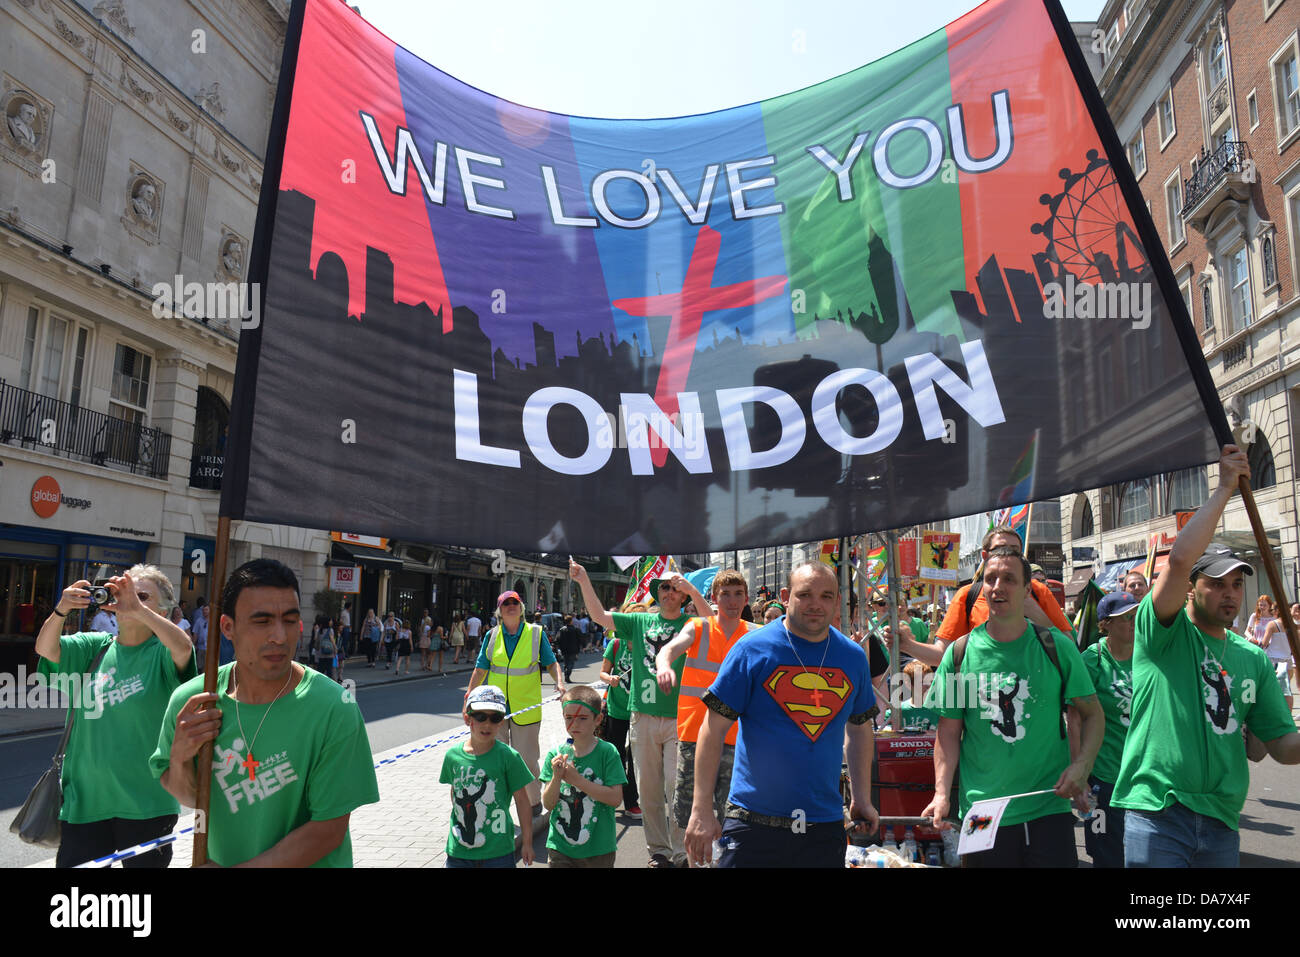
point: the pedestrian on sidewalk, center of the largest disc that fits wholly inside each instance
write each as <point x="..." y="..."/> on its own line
<point x="371" y="631"/>
<point x="457" y="638"/>
<point x="582" y="779"/>
<point x="569" y="640"/>
<point x="473" y="628"/>
<point x="437" y="642"/>
<point x="403" y="647"/>
<point x="484" y="775"/>
<point x="426" y="626"/>
<point x="390" y="639"/>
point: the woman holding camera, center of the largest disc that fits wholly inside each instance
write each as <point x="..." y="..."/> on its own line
<point x="111" y="800"/>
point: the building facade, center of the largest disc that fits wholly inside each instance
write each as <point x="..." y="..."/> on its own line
<point x="1204" y="95"/>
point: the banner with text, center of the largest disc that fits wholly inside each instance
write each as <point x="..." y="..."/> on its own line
<point x="871" y="303"/>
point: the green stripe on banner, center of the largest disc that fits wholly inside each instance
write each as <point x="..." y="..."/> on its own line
<point x="826" y="236"/>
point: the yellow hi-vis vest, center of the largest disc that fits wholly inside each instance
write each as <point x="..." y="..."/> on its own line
<point x="519" y="676"/>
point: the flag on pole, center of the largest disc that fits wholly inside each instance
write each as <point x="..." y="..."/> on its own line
<point x="1021" y="486"/>
<point x="646" y="570"/>
<point x="1086" y="629"/>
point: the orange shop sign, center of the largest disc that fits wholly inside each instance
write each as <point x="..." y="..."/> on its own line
<point x="47" y="496"/>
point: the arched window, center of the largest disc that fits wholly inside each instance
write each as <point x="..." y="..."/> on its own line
<point x="1186" y="489"/>
<point x="521" y="587"/>
<point x="1269" y="263"/>
<point x="211" y="417"/>
<point x="1261" y="463"/>
<point x="1081" y="517"/>
<point x="1135" y="502"/>
<point x="1207" y="303"/>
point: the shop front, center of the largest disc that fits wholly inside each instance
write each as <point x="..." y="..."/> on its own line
<point x="467" y="586"/>
<point x="67" y="527"/>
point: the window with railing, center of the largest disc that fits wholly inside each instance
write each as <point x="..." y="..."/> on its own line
<point x="31" y="420"/>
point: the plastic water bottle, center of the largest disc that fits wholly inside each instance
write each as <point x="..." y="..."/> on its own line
<point x="933" y="858"/>
<point x="720" y="845"/>
<point x="909" y="845"/>
<point x="951" y="840"/>
<point x="889" y="845"/>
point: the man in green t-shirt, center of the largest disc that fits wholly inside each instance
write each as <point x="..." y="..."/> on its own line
<point x="999" y="716"/>
<point x="654" y="711"/>
<point x="1110" y="666"/>
<point x="292" y="760"/>
<point x="1197" y="688"/>
<point x="616" y="671"/>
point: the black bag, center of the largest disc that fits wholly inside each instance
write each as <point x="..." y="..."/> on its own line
<point x="37" y="821"/>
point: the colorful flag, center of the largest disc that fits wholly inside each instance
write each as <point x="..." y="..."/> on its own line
<point x="1021" y="486"/>
<point x="647" y="570"/>
<point x="620" y="336"/>
<point x="940" y="552"/>
<point x="1086" y="630"/>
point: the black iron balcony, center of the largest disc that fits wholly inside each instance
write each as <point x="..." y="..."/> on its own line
<point x="1225" y="173"/>
<point x="31" y="420"/>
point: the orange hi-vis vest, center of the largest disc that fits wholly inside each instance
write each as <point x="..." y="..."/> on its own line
<point x="701" y="669"/>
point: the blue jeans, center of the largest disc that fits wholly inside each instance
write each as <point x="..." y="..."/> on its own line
<point x="506" y="860"/>
<point x="1178" y="837"/>
<point x="1103" y="835"/>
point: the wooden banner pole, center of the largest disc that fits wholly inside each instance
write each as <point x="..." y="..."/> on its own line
<point x="1270" y="566"/>
<point x="217" y="584"/>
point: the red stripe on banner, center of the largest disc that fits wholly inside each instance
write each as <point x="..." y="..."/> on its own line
<point x="1011" y="45"/>
<point x="345" y="66"/>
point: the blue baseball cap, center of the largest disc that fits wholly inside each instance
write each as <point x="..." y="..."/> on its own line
<point x="1116" y="603"/>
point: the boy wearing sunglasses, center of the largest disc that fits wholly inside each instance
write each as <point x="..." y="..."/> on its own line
<point x="484" y="774"/>
<point x="584" y="777"/>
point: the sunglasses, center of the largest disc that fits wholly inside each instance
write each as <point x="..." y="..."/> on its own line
<point x="880" y="604"/>
<point x="510" y="601"/>
<point x="496" y="717"/>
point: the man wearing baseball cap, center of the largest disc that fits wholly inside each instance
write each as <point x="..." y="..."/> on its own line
<point x="1110" y="666"/>
<point x="512" y="658"/>
<point x="1196" y="688"/>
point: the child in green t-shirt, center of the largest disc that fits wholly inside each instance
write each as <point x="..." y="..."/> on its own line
<point x="584" y="778"/>
<point x="483" y="774"/>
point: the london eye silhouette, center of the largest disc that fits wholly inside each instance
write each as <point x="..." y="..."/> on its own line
<point x="1087" y="229"/>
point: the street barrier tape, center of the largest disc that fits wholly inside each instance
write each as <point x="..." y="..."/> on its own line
<point x="109" y="860"/>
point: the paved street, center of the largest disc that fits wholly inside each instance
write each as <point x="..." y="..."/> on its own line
<point x="408" y="828"/>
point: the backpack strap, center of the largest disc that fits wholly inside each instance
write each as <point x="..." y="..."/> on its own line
<point x="972" y="596"/>
<point x="1048" y="641"/>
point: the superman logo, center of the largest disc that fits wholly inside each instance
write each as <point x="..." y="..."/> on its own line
<point x="811" y="699"/>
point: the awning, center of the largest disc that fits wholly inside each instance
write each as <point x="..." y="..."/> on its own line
<point x="1162" y="562"/>
<point x="1080" y="578"/>
<point x="371" y="559"/>
<point x="1113" y="573"/>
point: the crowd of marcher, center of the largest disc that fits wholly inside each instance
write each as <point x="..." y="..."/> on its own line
<point x="739" y="733"/>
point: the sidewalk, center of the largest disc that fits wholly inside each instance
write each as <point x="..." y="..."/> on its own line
<point x="409" y="825"/>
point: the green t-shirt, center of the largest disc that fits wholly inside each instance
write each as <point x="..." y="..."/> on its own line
<point x="918" y="718"/>
<point x="1185" y="742"/>
<point x="106" y="768"/>
<point x="313" y="764"/>
<point x="1008" y="695"/>
<point x="1114" y="683"/>
<point x="581" y="826"/>
<point x="645" y="634"/>
<point x="482" y="787"/>
<point x="616" y="700"/>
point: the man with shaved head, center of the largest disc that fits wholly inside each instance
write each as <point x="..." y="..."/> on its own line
<point x="793" y="685"/>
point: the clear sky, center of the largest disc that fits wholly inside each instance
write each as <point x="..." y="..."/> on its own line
<point x="639" y="58"/>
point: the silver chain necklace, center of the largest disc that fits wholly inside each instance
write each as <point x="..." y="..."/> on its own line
<point x="250" y="762"/>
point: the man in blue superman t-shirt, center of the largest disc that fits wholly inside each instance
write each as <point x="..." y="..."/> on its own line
<point x="793" y="685"/>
